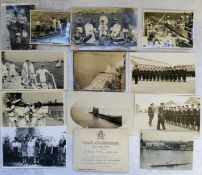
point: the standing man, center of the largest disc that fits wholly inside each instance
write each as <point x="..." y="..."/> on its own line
<point x="54" y="24"/>
<point x="161" y="117"/>
<point x="151" y="113"/>
<point x="12" y="69"/>
<point x="135" y="74"/>
<point x="25" y="72"/>
<point x="42" y="74"/>
<point x="32" y="73"/>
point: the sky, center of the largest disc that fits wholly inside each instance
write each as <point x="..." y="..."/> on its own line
<point x="167" y="136"/>
<point x="170" y="58"/>
<point x="21" y="56"/>
<point x="145" y="100"/>
<point x="33" y="97"/>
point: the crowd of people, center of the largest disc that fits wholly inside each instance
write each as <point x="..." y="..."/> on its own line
<point x="17" y="113"/>
<point x="169" y="32"/>
<point x="186" y="116"/>
<point x="17" y="21"/>
<point x="34" y="150"/>
<point x="29" y="75"/>
<point x="43" y="28"/>
<point x="103" y="30"/>
<point x="166" y="74"/>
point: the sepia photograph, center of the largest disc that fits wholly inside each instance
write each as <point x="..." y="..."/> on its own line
<point x="33" y="69"/>
<point x="49" y="27"/>
<point x="104" y="27"/>
<point x="99" y="71"/>
<point x="24" y="109"/>
<point x="168" y="29"/>
<point x="16" y="26"/>
<point x="34" y="147"/>
<point x="163" y="73"/>
<point x="171" y="152"/>
<point x="167" y="113"/>
<point x="100" y="110"/>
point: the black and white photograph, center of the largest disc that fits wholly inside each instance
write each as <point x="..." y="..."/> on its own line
<point x="168" y="29"/>
<point x="25" y="109"/>
<point x="172" y="73"/>
<point x="99" y="71"/>
<point x="171" y="152"/>
<point x="116" y="27"/>
<point x="38" y="70"/>
<point x="15" y="31"/>
<point x="49" y="27"/>
<point x="167" y="113"/>
<point x="34" y="147"/>
<point x="100" y="110"/>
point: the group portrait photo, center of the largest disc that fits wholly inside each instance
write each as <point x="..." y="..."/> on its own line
<point x="163" y="112"/>
<point x="116" y="27"/>
<point x="49" y="27"/>
<point x="24" y="109"/>
<point x="163" y="73"/>
<point x="15" y="28"/>
<point x="34" y="147"/>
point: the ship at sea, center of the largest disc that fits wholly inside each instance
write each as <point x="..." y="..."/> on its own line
<point x="112" y="118"/>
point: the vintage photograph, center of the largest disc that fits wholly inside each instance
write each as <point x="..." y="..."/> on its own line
<point x="168" y="29"/>
<point x="167" y="113"/>
<point x="33" y="69"/>
<point x="16" y="26"/>
<point x="171" y="152"/>
<point x="163" y="73"/>
<point x="99" y="71"/>
<point x="34" y="147"/>
<point x="50" y="27"/>
<point x="100" y="110"/>
<point x="24" y="109"/>
<point x="104" y="27"/>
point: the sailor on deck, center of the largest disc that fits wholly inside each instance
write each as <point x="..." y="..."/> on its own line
<point x="42" y="74"/>
<point x="25" y="72"/>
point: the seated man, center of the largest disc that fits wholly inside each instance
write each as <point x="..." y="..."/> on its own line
<point x="102" y="29"/>
<point x="115" y="30"/>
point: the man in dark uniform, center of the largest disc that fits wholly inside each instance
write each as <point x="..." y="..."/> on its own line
<point x="135" y="74"/>
<point x="151" y="113"/>
<point x="161" y="119"/>
<point x="192" y="117"/>
<point x="198" y="117"/>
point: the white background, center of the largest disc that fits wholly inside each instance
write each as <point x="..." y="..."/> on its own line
<point x="196" y="6"/>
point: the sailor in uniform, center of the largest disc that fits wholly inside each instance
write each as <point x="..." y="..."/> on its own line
<point x="25" y="72"/>
<point x="102" y="29"/>
<point x="42" y="75"/>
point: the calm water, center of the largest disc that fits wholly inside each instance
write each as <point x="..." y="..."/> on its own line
<point x="58" y="73"/>
<point x="86" y="120"/>
<point x="155" y="157"/>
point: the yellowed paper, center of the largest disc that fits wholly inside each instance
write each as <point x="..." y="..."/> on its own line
<point x="100" y="150"/>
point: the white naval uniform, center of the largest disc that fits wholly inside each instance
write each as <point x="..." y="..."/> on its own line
<point x="115" y="30"/>
<point x="103" y="29"/>
<point x="12" y="70"/>
<point x="25" y="70"/>
<point x="88" y="29"/>
<point x="104" y="18"/>
<point x="42" y="75"/>
<point x="31" y="71"/>
<point x="4" y="71"/>
<point x="11" y="115"/>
